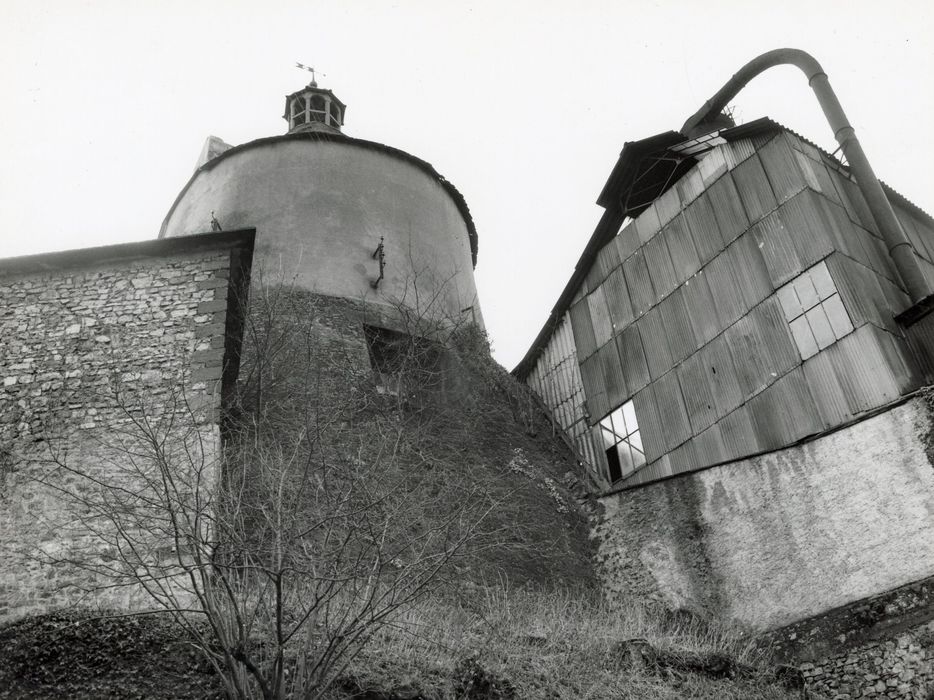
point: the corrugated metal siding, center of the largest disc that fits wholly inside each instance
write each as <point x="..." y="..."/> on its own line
<point x="617" y="300"/>
<point x="727" y="208"/>
<point x="632" y="357"/>
<point x="860" y="366"/>
<point x="650" y="427"/>
<point x="781" y="168"/>
<point x="908" y="375"/>
<point x="690" y="187"/>
<point x="677" y="324"/>
<point x="738" y="434"/>
<point x="660" y="268"/>
<point x="839" y="230"/>
<point x="641" y="292"/>
<point x="778" y="249"/>
<point x="750" y="271"/>
<point x="583" y="329"/>
<point x="607" y="260"/>
<point x="825" y="388"/>
<point x="863" y="213"/>
<point x="655" y="343"/>
<point x="860" y="291"/>
<point x="592" y="376"/>
<point x="668" y="206"/>
<point x="698" y="396"/>
<point x="784" y="412"/>
<point x="684" y="257"/>
<point x="614" y="383"/>
<point x="762" y="347"/>
<point x="709" y="446"/>
<point x="754" y="188"/>
<point x="725" y="289"/>
<point x="804" y="220"/>
<point x="718" y="365"/>
<point x="647" y="224"/>
<point x="712" y="165"/>
<point x="704" y="228"/>
<point x="738" y="151"/>
<point x="701" y="308"/>
<point x="671" y="411"/>
<point x="599" y="317"/>
<point x="684" y="458"/>
<point x="921" y="338"/>
<point x="627" y="241"/>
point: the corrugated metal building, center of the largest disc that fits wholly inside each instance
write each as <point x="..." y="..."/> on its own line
<point x="735" y="298"/>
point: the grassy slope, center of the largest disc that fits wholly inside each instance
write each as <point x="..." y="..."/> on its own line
<point x="534" y="645"/>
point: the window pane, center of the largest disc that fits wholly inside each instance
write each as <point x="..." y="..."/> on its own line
<point x="609" y="438"/>
<point x="629" y="412"/>
<point x="822" y="280"/>
<point x="626" y="464"/>
<point x="638" y="458"/>
<point x="806" y="291"/>
<point x="838" y="317"/>
<point x="790" y="304"/>
<point x="804" y="339"/>
<point x="820" y="326"/>
<point x="636" y="441"/>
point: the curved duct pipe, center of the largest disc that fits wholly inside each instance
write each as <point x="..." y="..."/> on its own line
<point x="900" y="249"/>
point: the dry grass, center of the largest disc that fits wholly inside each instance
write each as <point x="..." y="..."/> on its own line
<point x="555" y="645"/>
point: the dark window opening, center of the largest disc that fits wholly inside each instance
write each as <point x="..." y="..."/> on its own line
<point x="399" y="359"/>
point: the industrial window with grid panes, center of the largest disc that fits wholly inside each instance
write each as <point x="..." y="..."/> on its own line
<point x="622" y="442"/>
<point x="814" y="310"/>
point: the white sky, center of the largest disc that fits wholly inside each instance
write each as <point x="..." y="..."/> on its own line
<point x="523" y="105"/>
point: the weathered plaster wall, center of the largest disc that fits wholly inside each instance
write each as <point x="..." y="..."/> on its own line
<point x="780" y="537"/>
<point x="84" y="352"/>
<point x="320" y="209"/>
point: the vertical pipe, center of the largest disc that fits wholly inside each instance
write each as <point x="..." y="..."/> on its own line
<point x="900" y="249"/>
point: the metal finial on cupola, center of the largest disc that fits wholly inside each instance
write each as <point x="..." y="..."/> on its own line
<point x="313" y="108"/>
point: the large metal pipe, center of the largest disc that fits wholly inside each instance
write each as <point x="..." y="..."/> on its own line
<point x="900" y="248"/>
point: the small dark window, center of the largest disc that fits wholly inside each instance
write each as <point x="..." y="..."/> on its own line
<point x="398" y="357"/>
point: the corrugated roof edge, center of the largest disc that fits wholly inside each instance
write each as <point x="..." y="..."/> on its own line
<point x="765" y="124"/>
<point x="77" y="257"/>
<point x="427" y="167"/>
<point x="629" y="158"/>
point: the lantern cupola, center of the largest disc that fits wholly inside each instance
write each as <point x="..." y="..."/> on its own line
<point x="314" y="109"/>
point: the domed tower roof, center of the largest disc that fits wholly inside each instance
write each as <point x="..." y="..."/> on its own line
<point x="314" y="109"/>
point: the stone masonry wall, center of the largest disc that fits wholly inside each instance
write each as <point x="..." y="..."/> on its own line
<point x="878" y="647"/>
<point x="87" y="351"/>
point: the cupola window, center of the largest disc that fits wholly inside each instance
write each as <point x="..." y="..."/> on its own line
<point x="298" y="111"/>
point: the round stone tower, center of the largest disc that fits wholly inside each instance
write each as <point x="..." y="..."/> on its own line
<point x="336" y="215"/>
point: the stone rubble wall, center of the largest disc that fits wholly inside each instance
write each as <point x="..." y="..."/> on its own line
<point x="877" y="647"/>
<point x="901" y="668"/>
<point x="86" y="351"/>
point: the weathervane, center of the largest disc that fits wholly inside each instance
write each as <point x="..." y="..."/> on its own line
<point x="310" y="69"/>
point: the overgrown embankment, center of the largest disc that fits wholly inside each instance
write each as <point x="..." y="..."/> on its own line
<point x="497" y="644"/>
